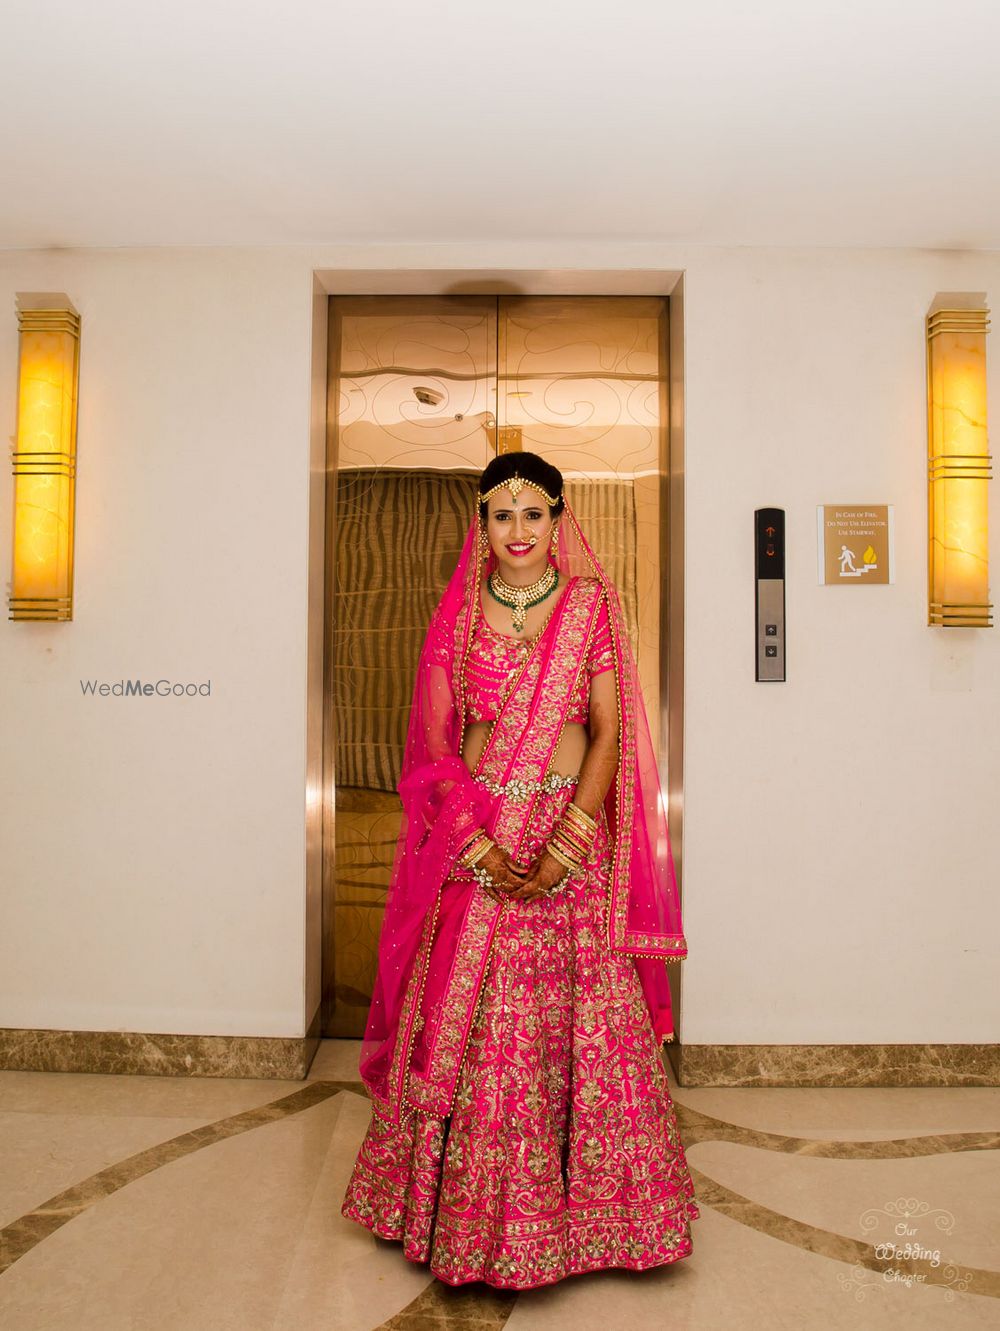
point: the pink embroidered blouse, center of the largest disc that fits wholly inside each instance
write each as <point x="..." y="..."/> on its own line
<point x="494" y="657"/>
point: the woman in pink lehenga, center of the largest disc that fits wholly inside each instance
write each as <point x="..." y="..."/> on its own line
<point x="522" y="1126"/>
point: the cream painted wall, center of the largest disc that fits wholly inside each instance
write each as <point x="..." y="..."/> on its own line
<point x="839" y="863"/>
<point x="841" y="857"/>
<point x="153" y="850"/>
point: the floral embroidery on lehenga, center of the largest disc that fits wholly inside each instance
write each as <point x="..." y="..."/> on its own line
<point x="561" y="1153"/>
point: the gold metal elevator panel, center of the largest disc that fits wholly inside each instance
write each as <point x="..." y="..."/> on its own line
<point x="423" y="390"/>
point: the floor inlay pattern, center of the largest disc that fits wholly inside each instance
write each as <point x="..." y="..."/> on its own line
<point x="23" y="1234"/>
<point x="479" y="1308"/>
<point x="476" y="1308"/>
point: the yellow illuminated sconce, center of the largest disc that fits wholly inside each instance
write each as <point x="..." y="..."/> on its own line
<point x="45" y="458"/>
<point x="959" y="468"/>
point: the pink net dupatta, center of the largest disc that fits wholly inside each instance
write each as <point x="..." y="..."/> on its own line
<point x="644" y="912"/>
<point x="442" y="804"/>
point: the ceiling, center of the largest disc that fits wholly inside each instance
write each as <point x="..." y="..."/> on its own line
<point x="778" y="122"/>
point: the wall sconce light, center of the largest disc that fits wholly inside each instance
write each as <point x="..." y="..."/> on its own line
<point x="959" y="467"/>
<point x="45" y="458"/>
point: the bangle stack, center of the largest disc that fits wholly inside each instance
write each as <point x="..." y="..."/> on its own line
<point x="570" y="844"/>
<point x="572" y="838"/>
<point x="478" y="845"/>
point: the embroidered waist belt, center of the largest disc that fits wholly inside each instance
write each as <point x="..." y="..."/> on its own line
<point x="518" y="790"/>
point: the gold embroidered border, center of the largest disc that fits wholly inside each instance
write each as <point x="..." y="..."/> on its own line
<point x="399" y="1067"/>
<point x="617" y="905"/>
<point x="575" y="644"/>
<point x="432" y="1091"/>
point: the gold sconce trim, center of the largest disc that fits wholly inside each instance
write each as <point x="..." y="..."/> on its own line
<point x="44" y="458"/>
<point x="46" y="609"/>
<point x="967" y="467"/>
<point x="49" y="321"/>
<point x="959" y="466"/>
<point x="43" y="464"/>
<point x="957" y="321"/>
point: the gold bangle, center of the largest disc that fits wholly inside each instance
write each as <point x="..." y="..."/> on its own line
<point x="569" y="853"/>
<point x="568" y="849"/>
<point x="480" y="852"/>
<point x="562" y="858"/>
<point x="573" y="838"/>
<point x="574" y="811"/>
<point x="474" y="850"/>
<point x="578" y="829"/>
<point x="470" y="841"/>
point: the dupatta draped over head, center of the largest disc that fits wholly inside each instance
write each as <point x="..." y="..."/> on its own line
<point x="416" y="1033"/>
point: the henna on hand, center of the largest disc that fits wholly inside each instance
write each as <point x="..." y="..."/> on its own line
<point x="505" y="874"/>
<point x="543" y="874"/>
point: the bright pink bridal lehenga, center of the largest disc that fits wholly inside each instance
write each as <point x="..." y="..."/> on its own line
<point x="522" y="1127"/>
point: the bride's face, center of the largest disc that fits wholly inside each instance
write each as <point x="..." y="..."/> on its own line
<point x="519" y="530"/>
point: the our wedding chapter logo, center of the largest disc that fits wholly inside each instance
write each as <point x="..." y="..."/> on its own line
<point x="137" y="688"/>
<point x="905" y="1251"/>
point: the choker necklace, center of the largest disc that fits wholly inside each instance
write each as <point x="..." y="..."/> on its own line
<point x="519" y="599"/>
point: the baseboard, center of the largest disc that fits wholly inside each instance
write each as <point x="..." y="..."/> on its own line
<point x="288" y="1059"/>
<point x="836" y="1064"/>
<point x="138" y="1054"/>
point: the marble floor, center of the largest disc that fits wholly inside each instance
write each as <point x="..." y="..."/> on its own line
<point x="177" y="1204"/>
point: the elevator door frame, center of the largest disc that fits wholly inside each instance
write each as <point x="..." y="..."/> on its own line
<point x="668" y="723"/>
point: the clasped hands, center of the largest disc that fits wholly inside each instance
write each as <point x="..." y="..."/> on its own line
<point x="515" y="883"/>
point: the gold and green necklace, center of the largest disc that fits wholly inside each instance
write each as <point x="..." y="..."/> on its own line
<point x="520" y="599"/>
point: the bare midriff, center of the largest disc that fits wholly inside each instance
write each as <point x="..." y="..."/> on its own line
<point x="566" y="761"/>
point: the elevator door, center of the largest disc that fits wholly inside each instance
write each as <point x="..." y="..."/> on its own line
<point x="424" y="390"/>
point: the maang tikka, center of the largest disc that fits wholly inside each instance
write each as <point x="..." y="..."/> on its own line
<point x="515" y="484"/>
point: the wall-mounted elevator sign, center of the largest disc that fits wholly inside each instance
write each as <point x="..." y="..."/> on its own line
<point x="855" y="543"/>
<point x="769" y="582"/>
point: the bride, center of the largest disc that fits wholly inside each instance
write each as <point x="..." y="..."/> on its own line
<point x="522" y="1126"/>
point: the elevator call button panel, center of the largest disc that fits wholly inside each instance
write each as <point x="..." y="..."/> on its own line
<point x="769" y="584"/>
